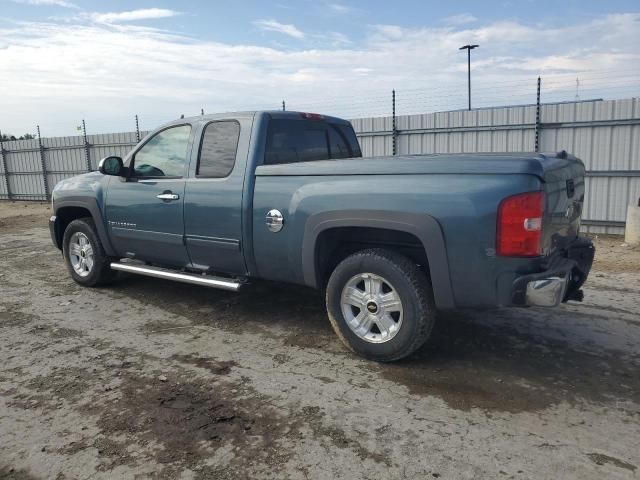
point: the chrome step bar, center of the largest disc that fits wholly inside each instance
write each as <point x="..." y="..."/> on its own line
<point x="193" y="278"/>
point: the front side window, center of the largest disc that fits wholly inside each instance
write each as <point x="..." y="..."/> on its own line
<point x="165" y="155"/>
<point x="218" y="150"/>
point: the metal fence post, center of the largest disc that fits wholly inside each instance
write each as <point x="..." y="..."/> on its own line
<point x="137" y="129"/>
<point x="87" y="158"/>
<point x="5" y="169"/>
<point x="394" y="132"/>
<point x="538" y="116"/>
<point x="45" y="180"/>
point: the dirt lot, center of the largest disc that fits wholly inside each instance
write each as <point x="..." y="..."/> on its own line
<point x="151" y="379"/>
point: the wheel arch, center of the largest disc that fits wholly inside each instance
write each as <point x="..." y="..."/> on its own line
<point x="69" y="210"/>
<point x="423" y="227"/>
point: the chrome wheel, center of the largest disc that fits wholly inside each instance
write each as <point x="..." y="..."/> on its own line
<point x="371" y="307"/>
<point x="81" y="254"/>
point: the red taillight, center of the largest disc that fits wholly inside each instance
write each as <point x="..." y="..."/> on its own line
<point x="520" y="225"/>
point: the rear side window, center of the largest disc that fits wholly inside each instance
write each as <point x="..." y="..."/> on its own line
<point x="348" y="135"/>
<point x="290" y="141"/>
<point x="218" y="150"/>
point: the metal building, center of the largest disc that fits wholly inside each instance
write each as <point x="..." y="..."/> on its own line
<point x="604" y="134"/>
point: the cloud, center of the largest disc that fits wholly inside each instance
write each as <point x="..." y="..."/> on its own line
<point x="57" y="3"/>
<point x="339" y="7"/>
<point x="334" y="39"/>
<point x="390" y="32"/>
<point x="58" y="73"/>
<point x="274" y="26"/>
<point x="132" y="15"/>
<point x="461" y="19"/>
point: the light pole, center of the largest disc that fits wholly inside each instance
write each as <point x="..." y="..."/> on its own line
<point x="468" y="48"/>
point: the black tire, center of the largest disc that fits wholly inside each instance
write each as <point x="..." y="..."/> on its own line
<point x="100" y="273"/>
<point x="415" y="291"/>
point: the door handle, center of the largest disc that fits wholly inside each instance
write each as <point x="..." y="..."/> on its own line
<point x="168" y="196"/>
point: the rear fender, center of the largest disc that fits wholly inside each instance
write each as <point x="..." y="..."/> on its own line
<point x="424" y="227"/>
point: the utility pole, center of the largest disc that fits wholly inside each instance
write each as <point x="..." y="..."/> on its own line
<point x="43" y="165"/>
<point x="87" y="158"/>
<point x="394" y="132"/>
<point x="468" y="48"/>
<point x="137" y="129"/>
<point x="5" y="169"/>
<point x="537" y="146"/>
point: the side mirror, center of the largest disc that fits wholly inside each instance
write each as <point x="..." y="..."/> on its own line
<point x="111" y="166"/>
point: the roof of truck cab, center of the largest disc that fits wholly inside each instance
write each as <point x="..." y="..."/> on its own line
<point x="288" y="114"/>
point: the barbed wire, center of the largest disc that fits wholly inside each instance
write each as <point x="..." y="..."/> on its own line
<point x="486" y="92"/>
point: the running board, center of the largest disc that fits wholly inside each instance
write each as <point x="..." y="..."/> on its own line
<point x="193" y="278"/>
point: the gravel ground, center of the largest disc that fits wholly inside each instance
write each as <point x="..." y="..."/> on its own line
<point x="151" y="379"/>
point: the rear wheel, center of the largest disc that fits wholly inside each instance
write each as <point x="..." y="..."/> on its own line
<point x="84" y="255"/>
<point x="380" y="304"/>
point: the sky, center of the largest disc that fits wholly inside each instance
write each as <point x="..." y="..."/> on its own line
<point x="62" y="61"/>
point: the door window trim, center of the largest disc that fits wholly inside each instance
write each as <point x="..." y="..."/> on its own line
<point x="235" y="158"/>
<point x="132" y="163"/>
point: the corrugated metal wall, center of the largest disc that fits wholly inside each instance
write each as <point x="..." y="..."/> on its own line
<point x="22" y="162"/>
<point x="604" y="134"/>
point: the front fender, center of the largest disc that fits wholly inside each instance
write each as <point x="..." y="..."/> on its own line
<point x="55" y="229"/>
<point x="91" y="205"/>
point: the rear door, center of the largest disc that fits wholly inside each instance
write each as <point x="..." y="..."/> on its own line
<point x="213" y="197"/>
<point x="145" y="211"/>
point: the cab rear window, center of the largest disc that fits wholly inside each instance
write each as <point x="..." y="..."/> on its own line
<point x="290" y="141"/>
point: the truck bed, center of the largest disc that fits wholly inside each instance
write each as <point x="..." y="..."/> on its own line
<point x="491" y="163"/>
<point x="460" y="193"/>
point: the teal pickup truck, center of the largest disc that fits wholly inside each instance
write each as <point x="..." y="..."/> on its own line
<point x="218" y="200"/>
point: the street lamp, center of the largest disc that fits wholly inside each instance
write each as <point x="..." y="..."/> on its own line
<point x="468" y="48"/>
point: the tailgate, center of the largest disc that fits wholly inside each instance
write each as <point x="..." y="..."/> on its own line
<point x="564" y="199"/>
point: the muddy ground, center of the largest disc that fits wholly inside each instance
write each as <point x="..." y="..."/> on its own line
<point x="151" y="379"/>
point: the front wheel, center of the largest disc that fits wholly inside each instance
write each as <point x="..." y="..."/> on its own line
<point x="380" y="304"/>
<point x="84" y="255"/>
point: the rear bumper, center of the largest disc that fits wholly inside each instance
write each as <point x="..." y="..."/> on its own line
<point x="546" y="292"/>
<point x="561" y="280"/>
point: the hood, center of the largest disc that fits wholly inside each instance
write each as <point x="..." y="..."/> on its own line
<point x="85" y="184"/>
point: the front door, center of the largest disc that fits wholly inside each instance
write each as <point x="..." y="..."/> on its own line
<point x="145" y="211"/>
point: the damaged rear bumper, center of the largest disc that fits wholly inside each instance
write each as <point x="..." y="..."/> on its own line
<point x="560" y="281"/>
